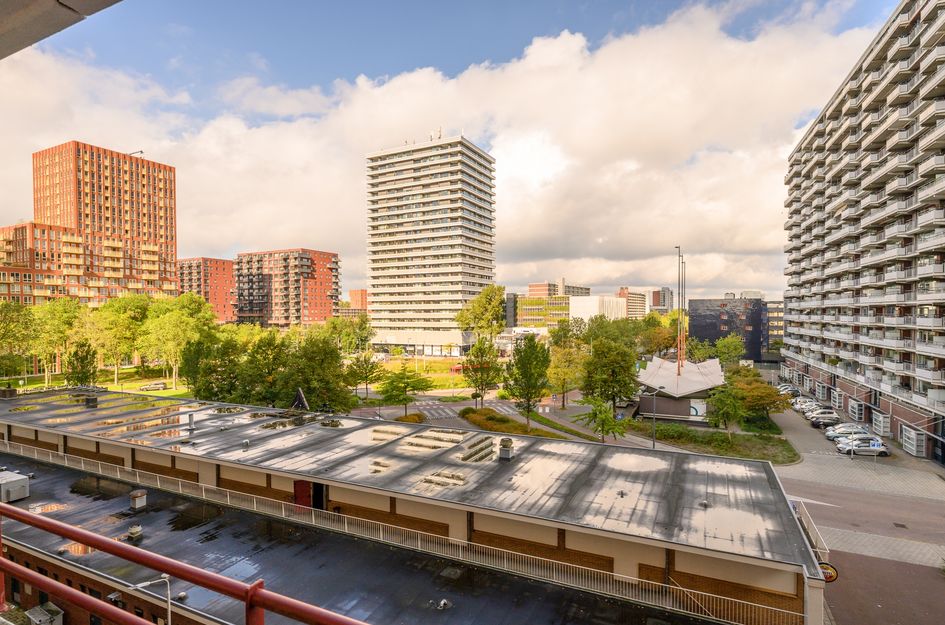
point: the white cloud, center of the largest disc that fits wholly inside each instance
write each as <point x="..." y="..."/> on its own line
<point x="607" y="157"/>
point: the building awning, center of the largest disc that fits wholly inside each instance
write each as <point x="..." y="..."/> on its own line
<point x="695" y="377"/>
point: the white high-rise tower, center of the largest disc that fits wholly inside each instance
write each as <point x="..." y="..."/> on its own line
<point x="431" y="240"/>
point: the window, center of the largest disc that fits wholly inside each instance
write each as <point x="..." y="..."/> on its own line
<point x="94" y="620"/>
<point x="139" y="612"/>
<point x="43" y="597"/>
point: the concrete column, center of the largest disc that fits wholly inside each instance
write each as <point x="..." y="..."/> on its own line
<point x="814" y="602"/>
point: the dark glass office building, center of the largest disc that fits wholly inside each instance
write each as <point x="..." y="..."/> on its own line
<point x="711" y="319"/>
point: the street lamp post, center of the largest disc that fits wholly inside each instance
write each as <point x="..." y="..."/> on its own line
<point x="165" y="578"/>
<point x="653" y="412"/>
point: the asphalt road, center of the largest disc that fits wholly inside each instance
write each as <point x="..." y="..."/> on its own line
<point x="884" y="522"/>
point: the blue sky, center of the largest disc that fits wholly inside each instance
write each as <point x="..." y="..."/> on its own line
<point x="625" y="116"/>
<point x="196" y="45"/>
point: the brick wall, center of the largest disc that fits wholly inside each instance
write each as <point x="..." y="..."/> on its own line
<point x="253" y="489"/>
<point x="793" y="602"/>
<point x="557" y="552"/>
<point x="29" y="596"/>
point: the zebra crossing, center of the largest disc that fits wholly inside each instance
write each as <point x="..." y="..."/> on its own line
<point x="433" y="409"/>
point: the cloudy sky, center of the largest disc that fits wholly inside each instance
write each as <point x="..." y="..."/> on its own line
<point x="620" y="129"/>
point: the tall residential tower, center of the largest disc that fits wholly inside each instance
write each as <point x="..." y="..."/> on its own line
<point x="431" y="240"/>
<point x="865" y="311"/>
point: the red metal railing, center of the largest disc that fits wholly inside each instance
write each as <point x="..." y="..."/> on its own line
<point x="255" y="597"/>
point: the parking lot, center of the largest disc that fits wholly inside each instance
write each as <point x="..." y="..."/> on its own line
<point x="883" y="520"/>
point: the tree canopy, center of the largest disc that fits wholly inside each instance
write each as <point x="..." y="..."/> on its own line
<point x="730" y="349"/>
<point x="481" y="368"/>
<point x="610" y="373"/>
<point x="398" y="387"/>
<point x="484" y="315"/>
<point x="601" y="419"/>
<point x="526" y="375"/>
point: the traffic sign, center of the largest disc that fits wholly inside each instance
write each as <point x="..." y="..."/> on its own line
<point x="876" y="444"/>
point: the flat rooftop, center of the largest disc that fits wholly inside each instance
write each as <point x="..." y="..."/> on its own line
<point x="722" y="504"/>
<point x="362" y="579"/>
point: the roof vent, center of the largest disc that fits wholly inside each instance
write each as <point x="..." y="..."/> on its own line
<point x="190" y="422"/>
<point x="705" y="504"/>
<point x="245" y="444"/>
<point x="139" y="499"/>
<point x="135" y="532"/>
<point x="505" y="449"/>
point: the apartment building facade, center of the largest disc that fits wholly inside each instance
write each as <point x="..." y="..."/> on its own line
<point x="662" y="300"/>
<point x="865" y="308"/>
<point x="431" y="240"/>
<point x="212" y="279"/>
<point x="280" y="288"/>
<point x="104" y="226"/>
<point x="561" y="287"/>
<point x="636" y="302"/>
<point x="540" y="311"/>
<point x="774" y="315"/>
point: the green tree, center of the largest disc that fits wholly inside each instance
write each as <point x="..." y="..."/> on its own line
<point x="601" y="419"/>
<point x="262" y="367"/>
<point x="567" y="332"/>
<point x="566" y="369"/>
<point x="16" y="328"/>
<point x="81" y="364"/>
<point x="165" y="338"/>
<point x="610" y="373"/>
<point x="398" y="386"/>
<point x="481" y="367"/>
<point x="699" y="351"/>
<point x="116" y="328"/>
<point x="526" y="375"/>
<point x="217" y="374"/>
<point x="656" y="339"/>
<point x="363" y="369"/>
<point x="53" y="325"/>
<point x="315" y="365"/>
<point x="761" y="399"/>
<point x="730" y="349"/>
<point x="725" y="403"/>
<point x="484" y="315"/>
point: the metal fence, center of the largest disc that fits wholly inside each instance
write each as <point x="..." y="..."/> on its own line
<point x="671" y="597"/>
<point x="807" y="522"/>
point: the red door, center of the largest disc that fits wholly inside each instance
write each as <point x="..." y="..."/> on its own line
<point x="303" y="493"/>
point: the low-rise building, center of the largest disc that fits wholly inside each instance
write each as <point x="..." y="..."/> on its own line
<point x="587" y="306"/>
<point x="561" y="287"/>
<point x="541" y="311"/>
<point x="598" y="518"/>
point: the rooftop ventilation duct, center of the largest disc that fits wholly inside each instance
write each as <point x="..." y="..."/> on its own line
<point x="505" y="449"/>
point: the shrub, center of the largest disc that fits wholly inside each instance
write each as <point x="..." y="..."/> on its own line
<point x="465" y="412"/>
<point x="413" y="417"/>
<point x="451" y="398"/>
<point x="502" y="394"/>
<point x="673" y="432"/>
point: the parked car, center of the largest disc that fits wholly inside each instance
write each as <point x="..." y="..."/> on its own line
<point x="845" y="429"/>
<point x="858" y="437"/>
<point x="802" y="403"/>
<point x="154" y="386"/>
<point x="820" y="412"/>
<point x="863" y="448"/>
<point x="825" y="421"/>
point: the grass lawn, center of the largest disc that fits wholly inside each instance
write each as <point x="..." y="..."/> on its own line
<point x="492" y="421"/>
<point x="749" y="446"/>
<point x="542" y="419"/>
<point x="129" y="380"/>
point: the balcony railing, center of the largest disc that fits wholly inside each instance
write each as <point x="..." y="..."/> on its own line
<point x="668" y="596"/>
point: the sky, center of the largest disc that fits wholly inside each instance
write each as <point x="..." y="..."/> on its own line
<point x="620" y="128"/>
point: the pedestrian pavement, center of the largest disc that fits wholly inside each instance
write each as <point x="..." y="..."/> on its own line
<point x="865" y="473"/>
<point x="434" y="410"/>
<point x="886" y="547"/>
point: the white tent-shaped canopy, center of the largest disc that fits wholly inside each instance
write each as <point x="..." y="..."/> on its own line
<point x="695" y="377"/>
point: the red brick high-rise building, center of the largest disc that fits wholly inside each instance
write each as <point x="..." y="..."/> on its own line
<point x="212" y="279"/>
<point x="286" y="287"/>
<point x="104" y="226"/>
